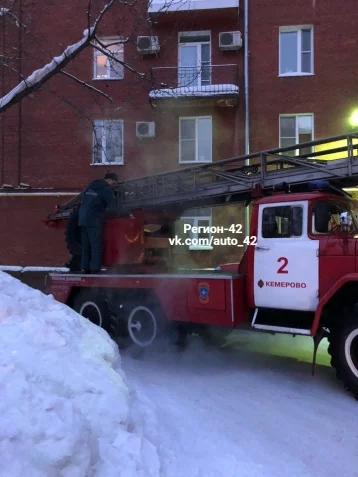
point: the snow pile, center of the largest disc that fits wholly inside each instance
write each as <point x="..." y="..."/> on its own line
<point x="201" y="91"/>
<point x="65" y="408"/>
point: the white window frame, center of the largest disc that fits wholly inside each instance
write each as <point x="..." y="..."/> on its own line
<point x="104" y="162"/>
<point x="196" y="118"/>
<point x="202" y="33"/>
<point x="196" y="219"/>
<point x="298" y="29"/>
<point x="295" y="115"/>
<point x="97" y="53"/>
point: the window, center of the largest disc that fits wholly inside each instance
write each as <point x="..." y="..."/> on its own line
<point x="326" y="217"/>
<point x="108" y="68"/>
<point x="198" y="218"/>
<point x="296" y="129"/>
<point x="282" y="221"/>
<point x="194" y="59"/>
<point x="296" y="51"/>
<point x="195" y="144"/>
<point x="108" y="142"/>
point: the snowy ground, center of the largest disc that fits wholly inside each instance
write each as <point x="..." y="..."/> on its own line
<point x="251" y="409"/>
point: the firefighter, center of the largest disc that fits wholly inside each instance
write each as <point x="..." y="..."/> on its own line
<point x="97" y="198"/>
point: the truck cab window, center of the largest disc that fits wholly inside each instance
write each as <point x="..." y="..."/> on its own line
<point x="329" y="217"/>
<point x="282" y="222"/>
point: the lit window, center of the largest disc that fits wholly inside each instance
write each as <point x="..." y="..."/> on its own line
<point x="296" y="51"/>
<point x="108" y="142"/>
<point x="109" y="68"/>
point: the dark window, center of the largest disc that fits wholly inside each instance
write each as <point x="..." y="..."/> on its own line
<point x="282" y="221"/>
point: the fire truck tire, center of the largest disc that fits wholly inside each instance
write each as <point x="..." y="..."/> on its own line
<point x="94" y="307"/>
<point x="140" y="325"/>
<point x="343" y="348"/>
<point x="73" y="235"/>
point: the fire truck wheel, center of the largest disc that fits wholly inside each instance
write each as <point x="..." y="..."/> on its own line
<point x="93" y="307"/>
<point x="343" y="348"/>
<point x="139" y="325"/>
<point x="142" y="326"/>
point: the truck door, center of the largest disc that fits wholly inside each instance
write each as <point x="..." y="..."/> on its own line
<point x="286" y="272"/>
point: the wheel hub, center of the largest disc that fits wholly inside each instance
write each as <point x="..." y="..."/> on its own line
<point x="136" y="326"/>
<point x="142" y="326"/>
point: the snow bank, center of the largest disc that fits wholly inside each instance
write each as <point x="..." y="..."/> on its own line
<point x="65" y="407"/>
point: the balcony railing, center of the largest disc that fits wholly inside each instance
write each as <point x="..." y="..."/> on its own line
<point x="195" y="81"/>
<point x="163" y="6"/>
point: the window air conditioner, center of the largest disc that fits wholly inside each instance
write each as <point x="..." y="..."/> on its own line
<point x="230" y="40"/>
<point x="144" y="130"/>
<point x="148" y="45"/>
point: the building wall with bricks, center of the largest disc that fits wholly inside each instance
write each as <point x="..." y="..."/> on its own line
<point x="302" y="86"/>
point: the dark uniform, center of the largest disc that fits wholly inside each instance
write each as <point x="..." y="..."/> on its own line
<point x="96" y="199"/>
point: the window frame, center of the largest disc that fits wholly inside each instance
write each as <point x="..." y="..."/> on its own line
<point x="202" y="33"/>
<point x="312" y="233"/>
<point x="298" y="29"/>
<point x="295" y="115"/>
<point x="196" y="219"/>
<point x="97" y="53"/>
<point x="291" y="205"/>
<point x="103" y="152"/>
<point x="196" y="118"/>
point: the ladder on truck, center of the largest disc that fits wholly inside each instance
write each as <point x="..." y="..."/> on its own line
<point x="334" y="159"/>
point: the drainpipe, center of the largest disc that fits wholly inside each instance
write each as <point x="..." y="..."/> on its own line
<point x="247" y="115"/>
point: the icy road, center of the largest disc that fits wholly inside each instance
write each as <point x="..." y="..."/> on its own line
<point x="251" y="409"/>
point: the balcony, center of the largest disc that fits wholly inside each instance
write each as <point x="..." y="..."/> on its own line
<point x="162" y="6"/>
<point x="206" y="85"/>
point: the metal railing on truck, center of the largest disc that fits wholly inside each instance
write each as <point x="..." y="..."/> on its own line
<point x="233" y="180"/>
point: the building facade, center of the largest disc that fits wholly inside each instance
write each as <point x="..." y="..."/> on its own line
<point x="201" y="80"/>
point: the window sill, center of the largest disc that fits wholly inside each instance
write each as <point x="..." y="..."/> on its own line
<point x="200" y="247"/>
<point x="108" y="164"/>
<point x="107" y="79"/>
<point x="195" y="162"/>
<point x="290" y="75"/>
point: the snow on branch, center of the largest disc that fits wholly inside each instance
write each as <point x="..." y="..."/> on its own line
<point x="39" y="77"/>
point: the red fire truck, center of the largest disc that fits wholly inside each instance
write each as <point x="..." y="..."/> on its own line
<point x="298" y="275"/>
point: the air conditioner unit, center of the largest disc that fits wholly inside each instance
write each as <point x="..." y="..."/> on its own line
<point x="144" y="130"/>
<point x="230" y="40"/>
<point x="148" y="45"/>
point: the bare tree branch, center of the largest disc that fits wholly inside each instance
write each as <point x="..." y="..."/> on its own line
<point x="57" y="64"/>
<point x="83" y="83"/>
<point x="41" y="76"/>
<point x="102" y="48"/>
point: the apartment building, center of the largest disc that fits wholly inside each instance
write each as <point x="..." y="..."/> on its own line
<point x="203" y="80"/>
